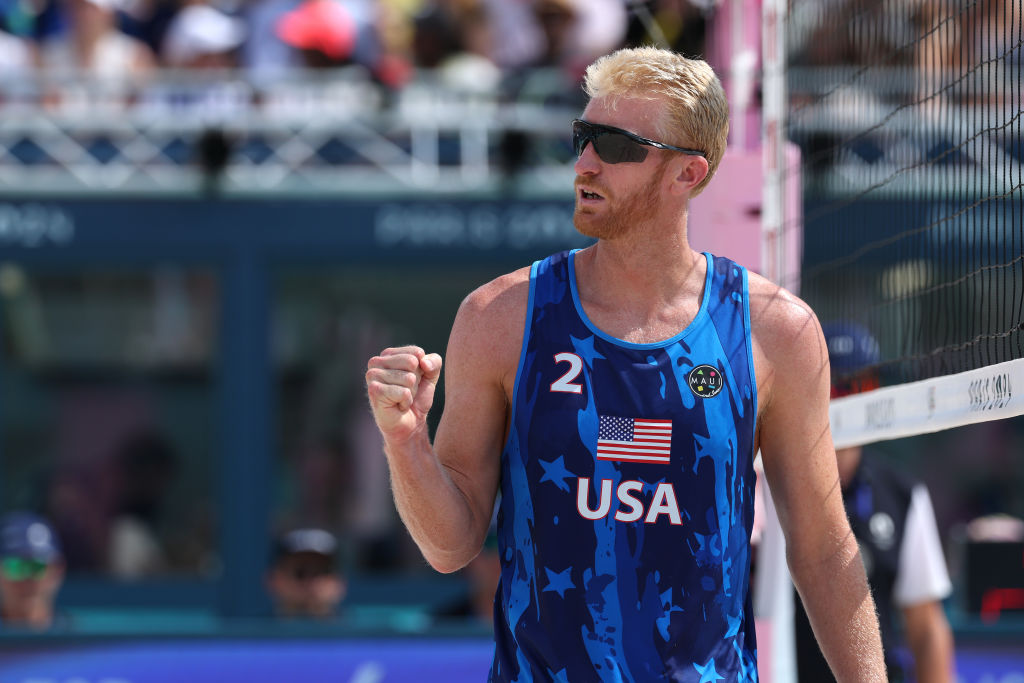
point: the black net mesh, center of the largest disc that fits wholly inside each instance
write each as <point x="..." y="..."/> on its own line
<point x="909" y="119"/>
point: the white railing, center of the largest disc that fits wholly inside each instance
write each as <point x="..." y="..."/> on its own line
<point x="898" y="131"/>
<point x="314" y="133"/>
<point x="337" y="132"/>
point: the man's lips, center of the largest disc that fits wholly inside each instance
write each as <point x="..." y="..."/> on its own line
<point x="588" y="193"/>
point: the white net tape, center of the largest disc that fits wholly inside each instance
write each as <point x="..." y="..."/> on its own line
<point x="990" y="393"/>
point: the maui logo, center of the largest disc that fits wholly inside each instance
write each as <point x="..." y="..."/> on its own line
<point x="705" y="381"/>
<point x="630" y="508"/>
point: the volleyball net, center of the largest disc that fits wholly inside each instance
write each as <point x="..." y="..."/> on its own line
<point x="908" y="117"/>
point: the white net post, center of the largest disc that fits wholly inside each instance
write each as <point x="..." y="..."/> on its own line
<point x="773" y="59"/>
<point x="773" y="586"/>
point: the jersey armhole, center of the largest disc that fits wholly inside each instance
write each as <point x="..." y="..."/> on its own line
<point x="748" y="336"/>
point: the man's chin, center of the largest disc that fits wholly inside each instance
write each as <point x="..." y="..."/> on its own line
<point x="586" y="224"/>
<point x="590" y="226"/>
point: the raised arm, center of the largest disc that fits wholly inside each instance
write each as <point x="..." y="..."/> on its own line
<point x="445" y="491"/>
<point x="800" y="467"/>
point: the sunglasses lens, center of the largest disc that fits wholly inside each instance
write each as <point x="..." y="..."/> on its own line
<point x="18" y="569"/>
<point x="615" y="148"/>
<point x="611" y="147"/>
<point x="580" y="137"/>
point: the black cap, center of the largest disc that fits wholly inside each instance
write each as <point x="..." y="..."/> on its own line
<point x="307" y="540"/>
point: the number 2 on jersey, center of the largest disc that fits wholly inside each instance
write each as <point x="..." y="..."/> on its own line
<point x="565" y="382"/>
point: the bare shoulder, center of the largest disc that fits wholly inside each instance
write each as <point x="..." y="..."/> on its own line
<point x="786" y="334"/>
<point x="488" y="329"/>
<point x="493" y="309"/>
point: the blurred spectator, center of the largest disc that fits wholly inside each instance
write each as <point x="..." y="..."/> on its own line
<point x="454" y="39"/>
<point x="15" y="57"/>
<point x="202" y="37"/>
<point x="678" y="24"/>
<point x="514" y="39"/>
<point x="16" y="69"/>
<point x="556" y="19"/>
<point x="95" y="44"/>
<point x="554" y="74"/>
<point x="570" y="35"/>
<point x="92" y="63"/>
<point x="575" y="32"/>
<point x="264" y="55"/>
<point x="992" y="49"/>
<point x="891" y="515"/>
<point x="204" y="42"/>
<point x="304" y="579"/>
<point x="31" y="571"/>
<point x="323" y="31"/>
<point x="144" y="467"/>
<point x="285" y="34"/>
<point x="148" y="20"/>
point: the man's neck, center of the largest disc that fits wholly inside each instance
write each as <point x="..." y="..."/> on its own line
<point x="641" y="293"/>
<point x="37" y="616"/>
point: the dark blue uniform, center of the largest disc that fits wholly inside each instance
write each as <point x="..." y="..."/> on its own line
<point x="627" y="494"/>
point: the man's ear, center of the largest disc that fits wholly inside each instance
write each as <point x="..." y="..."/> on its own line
<point x="691" y="172"/>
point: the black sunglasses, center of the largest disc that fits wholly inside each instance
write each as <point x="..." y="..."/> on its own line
<point x="614" y="145"/>
<point x="20" y="568"/>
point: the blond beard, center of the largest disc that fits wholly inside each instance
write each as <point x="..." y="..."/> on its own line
<point x="638" y="209"/>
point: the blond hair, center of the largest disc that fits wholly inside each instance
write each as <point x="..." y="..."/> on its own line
<point x="697" y="113"/>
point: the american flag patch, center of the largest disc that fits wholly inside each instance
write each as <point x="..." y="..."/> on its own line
<point x="634" y="439"/>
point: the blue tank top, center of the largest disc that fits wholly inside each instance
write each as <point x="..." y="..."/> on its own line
<point x="627" y="494"/>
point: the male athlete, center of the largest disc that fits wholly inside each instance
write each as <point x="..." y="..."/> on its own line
<point x="616" y="397"/>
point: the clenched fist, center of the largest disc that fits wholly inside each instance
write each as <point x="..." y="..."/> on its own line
<point x="400" y="383"/>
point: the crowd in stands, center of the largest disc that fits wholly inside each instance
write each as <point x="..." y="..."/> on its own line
<point x="472" y="44"/>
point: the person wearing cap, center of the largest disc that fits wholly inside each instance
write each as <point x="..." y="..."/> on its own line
<point x="304" y="579"/>
<point x="31" y="571"/>
<point x="202" y="37"/>
<point x="892" y="518"/>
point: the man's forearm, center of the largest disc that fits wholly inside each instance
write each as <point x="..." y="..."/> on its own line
<point x="838" y="602"/>
<point x="431" y="506"/>
<point x="931" y="642"/>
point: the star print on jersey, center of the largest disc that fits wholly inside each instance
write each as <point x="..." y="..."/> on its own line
<point x="584" y="348"/>
<point x="555" y="472"/>
<point x="747" y="667"/>
<point x="707" y="672"/>
<point x="559" y="582"/>
<point x="734" y="625"/>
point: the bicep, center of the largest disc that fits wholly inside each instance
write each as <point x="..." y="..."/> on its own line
<point x="472" y="428"/>
<point x="796" y="443"/>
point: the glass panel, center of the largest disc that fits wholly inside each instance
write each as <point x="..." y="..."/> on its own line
<point x="107" y="414"/>
<point x="331" y="470"/>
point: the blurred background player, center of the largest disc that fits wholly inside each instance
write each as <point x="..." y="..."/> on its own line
<point x="31" y="571"/>
<point x="891" y="515"/>
<point x="304" y="578"/>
